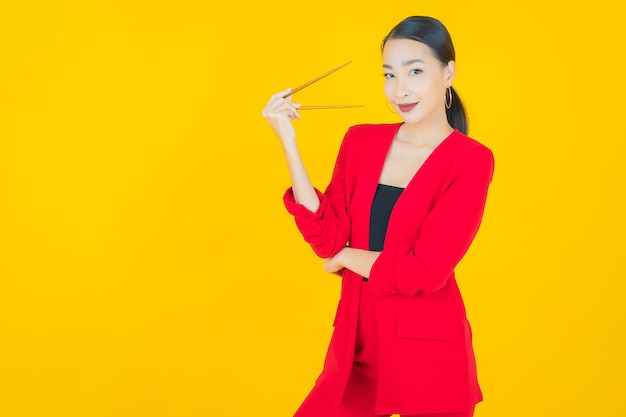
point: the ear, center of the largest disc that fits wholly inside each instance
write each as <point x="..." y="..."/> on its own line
<point x="449" y="72"/>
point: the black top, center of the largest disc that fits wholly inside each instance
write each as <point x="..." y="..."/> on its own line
<point x="384" y="200"/>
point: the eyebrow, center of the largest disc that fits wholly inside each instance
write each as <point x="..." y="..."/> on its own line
<point x="405" y="63"/>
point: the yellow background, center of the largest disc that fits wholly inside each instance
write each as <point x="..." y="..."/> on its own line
<point x="148" y="267"/>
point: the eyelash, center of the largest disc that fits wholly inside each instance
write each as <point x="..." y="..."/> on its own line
<point x="415" y="71"/>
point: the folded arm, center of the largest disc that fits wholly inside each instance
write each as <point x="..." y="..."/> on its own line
<point x="425" y="265"/>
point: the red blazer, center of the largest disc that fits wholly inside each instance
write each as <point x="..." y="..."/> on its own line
<point x="426" y="358"/>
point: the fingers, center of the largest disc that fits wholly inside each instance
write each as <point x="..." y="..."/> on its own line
<point x="332" y="267"/>
<point x="287" y="108"/>
<point x="280" y="94"/>
<point x="278" y="107"/>
<point x="281" y="111"/>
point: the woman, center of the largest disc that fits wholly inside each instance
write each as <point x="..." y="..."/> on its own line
<point x="402" y="208"/>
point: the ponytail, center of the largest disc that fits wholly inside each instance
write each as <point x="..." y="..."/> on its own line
<point x="457" y="117"/>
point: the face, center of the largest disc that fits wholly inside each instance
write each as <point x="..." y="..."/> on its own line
<point x="415" y="80"/>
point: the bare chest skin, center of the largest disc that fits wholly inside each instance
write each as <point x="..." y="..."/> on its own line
<point x="403" y="161"/>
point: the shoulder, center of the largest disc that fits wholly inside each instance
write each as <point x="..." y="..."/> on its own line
<point x="371" y="135"/>
<point x="468" y="149"/>
<point x="367" y="129"/>
<point x="468" y="156"/>
<point x="373" y="131"/>
<point x="463" y="143"/>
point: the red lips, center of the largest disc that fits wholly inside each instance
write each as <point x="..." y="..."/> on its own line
<point x="404" y="108"/>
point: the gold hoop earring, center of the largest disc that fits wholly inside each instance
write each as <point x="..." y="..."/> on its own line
<point x="387" y="105"/>
<point x="448" y="104"/>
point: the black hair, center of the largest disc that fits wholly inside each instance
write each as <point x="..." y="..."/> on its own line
<point x="433" y="34"/>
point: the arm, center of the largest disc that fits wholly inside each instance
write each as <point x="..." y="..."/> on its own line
<point x="303" y="191"/>
<point x="322" y="218"/>
<point x="280" y="112"/>
<point x="359" y="261"/>
<point x="328" y="228"/>
<point x="425" y="265"/>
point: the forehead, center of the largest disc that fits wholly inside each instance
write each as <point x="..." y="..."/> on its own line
<point x="398" y="51"/>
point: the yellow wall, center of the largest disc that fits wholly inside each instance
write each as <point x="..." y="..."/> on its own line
<point x="146" y="260"/>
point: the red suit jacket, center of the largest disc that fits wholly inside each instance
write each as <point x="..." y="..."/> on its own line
<point x="426" y="360"/>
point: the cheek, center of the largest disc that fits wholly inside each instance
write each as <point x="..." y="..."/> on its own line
<point x="422" y="85"/>
<point x="430" y="91"/>
<point x="437" y="87"/>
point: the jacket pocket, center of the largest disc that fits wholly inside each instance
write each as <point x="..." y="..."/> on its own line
<point x="427" y="324"/>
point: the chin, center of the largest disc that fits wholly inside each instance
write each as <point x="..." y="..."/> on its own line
<point x="411" y="119"/>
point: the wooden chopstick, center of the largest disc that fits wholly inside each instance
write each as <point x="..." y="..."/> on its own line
<point x="340" y="106"/>
<point x="308" y="83"/>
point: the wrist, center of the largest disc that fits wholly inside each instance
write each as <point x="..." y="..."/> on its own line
<point x="340" y="257"/>
<point x="290" y="146"/>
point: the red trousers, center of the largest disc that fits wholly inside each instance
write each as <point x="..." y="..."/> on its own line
<point x="360" y="394"/>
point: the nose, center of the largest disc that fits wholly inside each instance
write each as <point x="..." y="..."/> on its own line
<point x="401" y="88"/>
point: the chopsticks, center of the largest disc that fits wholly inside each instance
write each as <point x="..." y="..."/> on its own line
<point x="308" y="83"/>
<point x="340" y="106"/>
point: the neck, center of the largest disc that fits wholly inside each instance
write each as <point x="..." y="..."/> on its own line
<point x="426" y="132"/>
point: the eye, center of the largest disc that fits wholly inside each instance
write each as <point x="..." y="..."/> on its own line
<point x="388" y="75"/>
<point x="416" y="71"/>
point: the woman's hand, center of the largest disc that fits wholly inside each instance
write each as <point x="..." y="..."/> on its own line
<point x="280" y="112"/>
<point x="333" y="265"/>
<point x="359" y="261"/>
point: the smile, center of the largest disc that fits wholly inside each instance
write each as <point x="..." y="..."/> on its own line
<point x="404" y="108"/>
